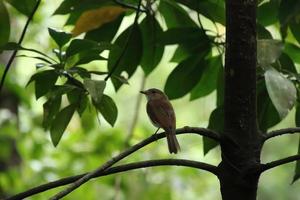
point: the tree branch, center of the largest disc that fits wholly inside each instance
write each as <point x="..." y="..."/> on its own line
<point x="279" y="162"/>
<point x="13" y="55"/>
<point x="130" y="6"/>
<point x="117" y="169"/>
<point x="87" y="177"/>
<point x="281" y="132"/>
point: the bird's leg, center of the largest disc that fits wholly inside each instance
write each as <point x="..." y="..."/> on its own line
<point x="155" y="134"/>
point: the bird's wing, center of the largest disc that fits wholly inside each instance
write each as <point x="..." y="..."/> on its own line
<point x="161" y="114"/>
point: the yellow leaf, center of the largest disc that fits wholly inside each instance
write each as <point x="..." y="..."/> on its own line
<point x="93" y="19"/>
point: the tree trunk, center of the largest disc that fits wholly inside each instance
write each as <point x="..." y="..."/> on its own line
<point x="241" y="142"/>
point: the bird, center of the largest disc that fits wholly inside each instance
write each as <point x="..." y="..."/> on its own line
<point x="162" y="115"/>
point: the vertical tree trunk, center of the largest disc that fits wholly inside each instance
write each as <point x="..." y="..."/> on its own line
<point x="241" y="142"/>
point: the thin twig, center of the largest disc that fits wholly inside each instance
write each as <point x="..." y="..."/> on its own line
<point x="281" y="132"/>
<point x="87" y="177"/>
<point x="136" y="114"/>
<point x="135" y="22"/>
<point x="13" y="55"/>
<point x="130" y="6"/>
<point x="279" y="162"/>
<point x="114" y="170"/>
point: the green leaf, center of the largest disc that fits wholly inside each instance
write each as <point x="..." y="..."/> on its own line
<point x="44" y="81"/>
<point x="130" y="58"/>
<point x="295" y="28"/>
<point x="293" y="51"/>
<point x="216" y="122"/>
<point x="95" y="88"/>
<point x="51" y="108"/>
<point x="60" y="123"/>
<point x="4" y="24"/>
<point x="105" y="32"/>
<point x="263" y="33"/>
<point x="25" y="7"/>
<point x="212" y="9"/>
<point x="267" y="13"/>
<point x="267" y="116"/>
<point x="78" y="98"/>
<point x="288" y="10"/>
<point x="152" y="51"/>
<point x="108" y="109"/>
<point x="281" y="91"/>
<point x="182" y="35"/>
<point x="61" y="38"/>
<point x="83" y="45"/>
<point x="209" y="78"/>
<point x="268" y="51"/>
<point x="174" y="15"/>
<point x="16" y="46"/>
<point x="287" y="64"/>
<point x="185" y="76"/>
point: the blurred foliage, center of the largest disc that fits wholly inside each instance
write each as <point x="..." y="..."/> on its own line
<point x="179" y="46"/>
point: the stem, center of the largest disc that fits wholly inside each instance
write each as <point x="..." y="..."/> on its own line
<point x="281" y="132"/>
<point x="114" y="170"/>
<point x="279" y="162"/>
<point x="13" y="55"/>
<point x="105" y="166"/>
<point x="126" y="43"/>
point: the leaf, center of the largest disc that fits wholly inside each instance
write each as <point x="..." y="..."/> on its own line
<point x="268" y="51"/>
<point x="287" y="64"/>
<point x="294" y="26"/>
<point x="216" y="123"/>
<point x="263" y="33"/>
<point x="182" y="35"/>
<point x="95" y="88"/>
<point x="106" y="32"/>
<point x="60" y="123"/>
<point x="281" y="91"/>
<point x="25" y="7"/>
<point x="51" y="108"/>
<point x="4" y="24"/>
<point x="61" y="38"/>
<point x="71" y="6"/>
<point x="16" y="46"/>
<point x="212" y="9"/>
<point x="288" y="10"/>
<point x="267" y="116"/>
<point x="293" y="51"/>
<point x="131" y="56"/>
<point x="152" y="51"/>
<point x="209" y="78"/>
<point x="95" y="18"/>
<point x="108" y="109"/>
<point x="267" y="13"/>
<point x="174" y="15"/>
<point x="83" y="45"/>
<point x="78" y="98"/>
<point x="44" y="81"/>
<point x="185" y="76"/>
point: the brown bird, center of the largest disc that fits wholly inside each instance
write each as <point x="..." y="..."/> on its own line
<point x="161" y="114"/>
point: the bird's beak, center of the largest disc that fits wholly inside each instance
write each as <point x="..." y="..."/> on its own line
<point x="143" y="92"/>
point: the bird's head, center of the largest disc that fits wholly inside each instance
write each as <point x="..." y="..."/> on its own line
<point x="154" y="93"/>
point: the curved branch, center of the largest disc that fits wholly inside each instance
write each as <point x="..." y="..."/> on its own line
<point x="13" y="55"/>
<point x="87" y="177"/>
<point x="114" y="170"/>
<point x="281" y="132"/>
<point x="279" y="162"/>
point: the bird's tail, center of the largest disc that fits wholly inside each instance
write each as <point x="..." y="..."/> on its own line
<point x="173" y="144"/>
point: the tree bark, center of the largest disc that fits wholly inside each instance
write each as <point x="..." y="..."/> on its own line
<point x="241" y="143"/>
